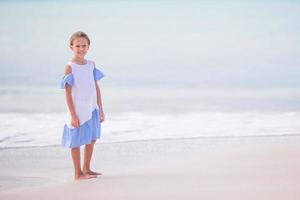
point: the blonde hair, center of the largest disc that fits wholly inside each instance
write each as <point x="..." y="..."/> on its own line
<point x="79" y="34"/>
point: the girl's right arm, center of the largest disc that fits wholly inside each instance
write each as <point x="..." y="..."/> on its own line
<point x="68" y="89"/>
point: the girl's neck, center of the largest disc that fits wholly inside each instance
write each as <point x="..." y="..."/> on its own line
<point x="80" y="61"/>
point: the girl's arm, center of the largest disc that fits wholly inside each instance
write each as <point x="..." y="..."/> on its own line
<point x="99" y="102"/>
<point x="69" y="100"/>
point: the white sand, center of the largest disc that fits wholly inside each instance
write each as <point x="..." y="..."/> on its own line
<point x="259" y="169"/>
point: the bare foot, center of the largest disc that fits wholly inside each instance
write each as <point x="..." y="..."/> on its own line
<point x="90" y="172"/>
<point x="85" y="176"/>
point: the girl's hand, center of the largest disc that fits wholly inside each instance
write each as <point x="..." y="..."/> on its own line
<point x="75" y="121"/>
<point x="102" y="116"/>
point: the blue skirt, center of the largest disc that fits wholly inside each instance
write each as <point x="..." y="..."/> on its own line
<point x="76" y="137"/>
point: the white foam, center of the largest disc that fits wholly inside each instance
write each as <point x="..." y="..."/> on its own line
<point x="23" y="130"/>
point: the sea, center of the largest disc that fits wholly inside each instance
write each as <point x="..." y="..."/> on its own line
<point x="173" y="69"/>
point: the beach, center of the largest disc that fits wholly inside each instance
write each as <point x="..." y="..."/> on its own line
<point x="201" y="99"/>
<point x="223" y="168"/>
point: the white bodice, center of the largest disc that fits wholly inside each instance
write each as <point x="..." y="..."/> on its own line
<point x="84" y="93"/>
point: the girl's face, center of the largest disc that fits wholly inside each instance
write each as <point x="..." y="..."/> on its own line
<point x="80" y="47"/>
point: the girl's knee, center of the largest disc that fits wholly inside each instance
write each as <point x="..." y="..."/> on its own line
<point x="93" y="141"/>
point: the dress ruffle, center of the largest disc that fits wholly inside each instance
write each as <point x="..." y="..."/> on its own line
<point x="97" y="74"/>
<point x="90" y="130"/>
<point x="67" y="79"/>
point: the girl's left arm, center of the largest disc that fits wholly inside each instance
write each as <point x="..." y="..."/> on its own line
<point x="99" y="102"/>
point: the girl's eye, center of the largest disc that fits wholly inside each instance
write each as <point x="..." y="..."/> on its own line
<point x="84" y="46"/>
<point x="77" y="46"/>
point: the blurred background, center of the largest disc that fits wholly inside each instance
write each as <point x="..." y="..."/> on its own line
<point x="229" y="65"/>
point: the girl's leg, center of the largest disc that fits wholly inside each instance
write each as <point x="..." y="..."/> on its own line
<point x="75" y="152"/>
<point x="88" y="152"/>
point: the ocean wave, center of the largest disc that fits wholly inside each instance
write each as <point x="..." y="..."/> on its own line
<point x="32" y="130"/>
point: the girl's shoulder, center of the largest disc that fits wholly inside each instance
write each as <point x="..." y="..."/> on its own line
<point x="68" y="68"/>
<point x="90" y="62"/>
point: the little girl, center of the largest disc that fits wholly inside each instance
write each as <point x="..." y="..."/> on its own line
<point x="85" y="111"/>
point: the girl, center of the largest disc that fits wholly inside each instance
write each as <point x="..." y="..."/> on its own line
<point x="85" y="111"/>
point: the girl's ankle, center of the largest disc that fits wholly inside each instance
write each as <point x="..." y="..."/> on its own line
<point x="78" y="174"/>
<point x="84" y="170"/>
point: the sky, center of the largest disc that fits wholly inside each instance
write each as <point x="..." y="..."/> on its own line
<point x="195" y="44"/>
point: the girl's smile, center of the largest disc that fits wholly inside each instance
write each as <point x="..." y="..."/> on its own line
<point x="79" y="47"/>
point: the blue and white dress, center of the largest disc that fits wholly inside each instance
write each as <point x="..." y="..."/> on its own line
<point x="84" y="96"/>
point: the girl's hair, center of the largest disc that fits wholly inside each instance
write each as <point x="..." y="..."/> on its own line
<point x="79" y="34"/>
